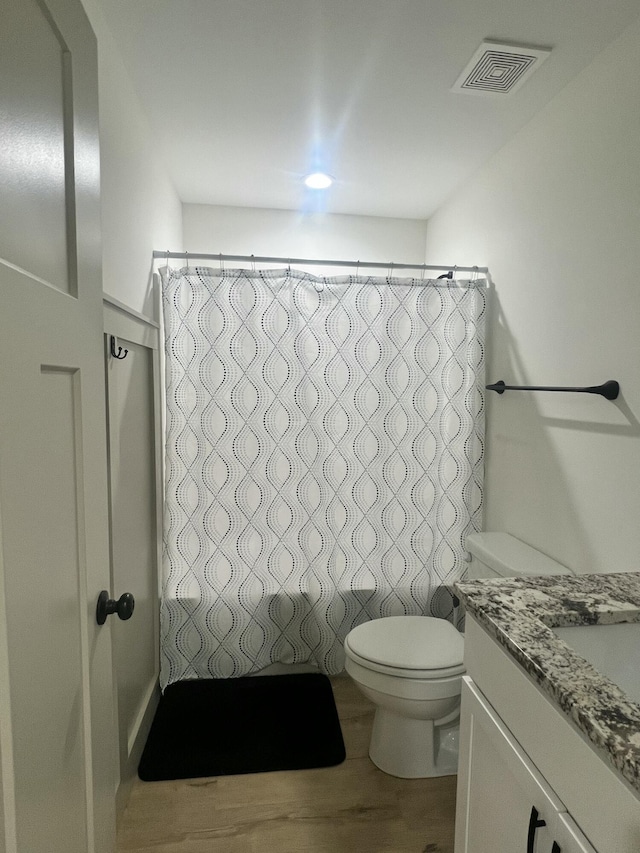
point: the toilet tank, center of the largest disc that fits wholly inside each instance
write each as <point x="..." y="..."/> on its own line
<point x="496" y="555"/>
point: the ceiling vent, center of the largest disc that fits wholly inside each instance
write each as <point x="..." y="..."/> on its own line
<point x="499" y="69"/>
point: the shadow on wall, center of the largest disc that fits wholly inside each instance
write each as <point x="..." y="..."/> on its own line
<point x="152" y="294"/>
<point x="542" y="452"/>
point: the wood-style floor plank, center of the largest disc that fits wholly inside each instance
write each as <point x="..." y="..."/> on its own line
<point x="345" y="809"/>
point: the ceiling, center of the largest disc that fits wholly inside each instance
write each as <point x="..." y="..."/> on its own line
<point x="247" y="96"/>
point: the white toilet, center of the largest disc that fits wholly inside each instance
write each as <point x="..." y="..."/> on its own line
<point x="411" y="668"/>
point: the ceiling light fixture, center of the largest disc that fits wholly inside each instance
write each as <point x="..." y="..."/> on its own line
<point x="318" y="181"/>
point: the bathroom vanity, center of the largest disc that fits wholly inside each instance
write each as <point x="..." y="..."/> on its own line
<point x="550" y="744"/>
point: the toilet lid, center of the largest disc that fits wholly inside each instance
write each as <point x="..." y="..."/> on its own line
<point x="408" y="642"/>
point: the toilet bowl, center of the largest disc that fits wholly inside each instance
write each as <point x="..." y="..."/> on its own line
<point x="411" y="668"/>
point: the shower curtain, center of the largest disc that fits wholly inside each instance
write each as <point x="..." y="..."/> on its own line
<point x="324" y="460"/>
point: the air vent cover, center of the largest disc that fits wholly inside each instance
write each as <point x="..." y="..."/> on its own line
<point x="499" y="69"/>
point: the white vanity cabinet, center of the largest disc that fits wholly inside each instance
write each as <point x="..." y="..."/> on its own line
<point x="505" y="805"/>
<point x="528" y="780"/>
<point x="568" y="837"/>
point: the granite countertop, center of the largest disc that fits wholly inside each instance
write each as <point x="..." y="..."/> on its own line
<point x="520" y="613"/>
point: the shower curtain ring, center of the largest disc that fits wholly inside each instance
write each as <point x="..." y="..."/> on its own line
<point x="253" y="264"/>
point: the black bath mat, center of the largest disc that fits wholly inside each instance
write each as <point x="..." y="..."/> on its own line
<point x="220" y="727"/>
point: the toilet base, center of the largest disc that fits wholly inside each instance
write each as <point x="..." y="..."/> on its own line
<point x="413" y="749"/>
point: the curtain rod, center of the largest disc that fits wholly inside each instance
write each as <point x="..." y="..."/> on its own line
<point x="308" y="261"/>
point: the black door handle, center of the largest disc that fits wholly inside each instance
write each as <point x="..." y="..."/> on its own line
<point x="535" y="822"/>
<point x="106" y="606"/>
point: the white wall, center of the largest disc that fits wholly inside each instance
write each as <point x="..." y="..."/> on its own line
<point x="556" y="217"/>
<point x="285" y="233"/>
<point x="140" y="208"/>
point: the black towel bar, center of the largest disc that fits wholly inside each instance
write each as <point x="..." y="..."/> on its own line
<point x="609" y="389"/>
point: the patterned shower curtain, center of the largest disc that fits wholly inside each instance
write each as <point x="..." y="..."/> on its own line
<point x="324" y="460"/>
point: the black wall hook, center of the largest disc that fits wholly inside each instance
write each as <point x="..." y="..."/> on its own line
<point x="113" y="349"/>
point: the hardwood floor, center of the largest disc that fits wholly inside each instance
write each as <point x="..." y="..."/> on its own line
<point x="351" y="808"/>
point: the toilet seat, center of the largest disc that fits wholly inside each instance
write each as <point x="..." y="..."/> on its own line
<point x="417" y="647"/>
<point x="414" y="674"/>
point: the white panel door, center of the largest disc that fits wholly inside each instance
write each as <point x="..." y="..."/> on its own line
<point x="57" y="743"/>
<point x="503" y="803"/>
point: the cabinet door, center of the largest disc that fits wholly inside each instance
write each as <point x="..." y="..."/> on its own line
<point x="504" y="805"/>
<point x="569" y="839"/>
